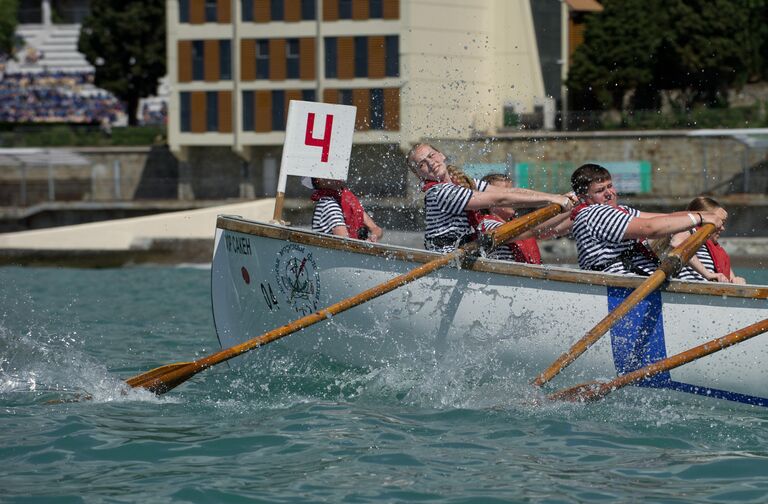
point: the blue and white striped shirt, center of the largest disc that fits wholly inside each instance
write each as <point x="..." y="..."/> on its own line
<point x="446" y="220"/>
<point x="327" y="215"/>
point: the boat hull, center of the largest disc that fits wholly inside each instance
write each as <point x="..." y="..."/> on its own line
<point x="523" y="316"/>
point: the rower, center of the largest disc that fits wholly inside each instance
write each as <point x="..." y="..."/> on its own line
<point x="612" y="237"/>
<point x="451" y="209"/>
<point x="339" y="212"/>
<point x="524" y="248"/>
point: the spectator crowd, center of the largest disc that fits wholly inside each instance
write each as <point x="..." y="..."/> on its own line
<point x="57" y="97"/>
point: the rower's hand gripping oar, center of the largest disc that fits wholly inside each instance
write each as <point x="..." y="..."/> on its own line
<point x="165" y="378"/>
<point x="669" y="266"/>
<point x="597" y="390"/>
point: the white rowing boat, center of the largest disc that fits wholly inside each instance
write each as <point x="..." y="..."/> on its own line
<point x="265" y="276"/>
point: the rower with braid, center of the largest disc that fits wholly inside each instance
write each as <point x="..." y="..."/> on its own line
<point x="451" y="201"/>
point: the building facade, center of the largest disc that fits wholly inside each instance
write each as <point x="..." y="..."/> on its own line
<point x="414" y="69"/>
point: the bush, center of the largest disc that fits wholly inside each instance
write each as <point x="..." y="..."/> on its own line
<point x="76" y="135"/>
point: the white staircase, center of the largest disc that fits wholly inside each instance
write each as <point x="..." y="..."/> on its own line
<point x="56" y="46"/>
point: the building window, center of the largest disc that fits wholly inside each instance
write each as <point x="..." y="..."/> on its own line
<point x="375" y="9"/>
<point x="392" y="56"/>
<point x="292" y="58"/>
<point x="278" y="110"/>
<point x="248" y="107"/>
<point x="186" y="106"/>
<point x="183" y="11"/>
<point x="210" y="11"/>
<point x="345" y="96"/>
<point x="198" y="60"/>
<point x="247" y="7"/>
<point x="377" y="109"/>
<point x="262" y="59"/>
<point x="276" y="9"/>
<point x="211" y="111"/>
<point x="361" y="56"/>
<point x="308" y="94"/>
<point x="345" y="9"/>
<point x="331" y="57"/>
<point x="225" y="59"/>
<point x="308" y="9"/>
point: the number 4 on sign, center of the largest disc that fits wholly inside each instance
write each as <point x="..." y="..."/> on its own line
<point x="325" y="140"/>
<point x="307" y="152"/>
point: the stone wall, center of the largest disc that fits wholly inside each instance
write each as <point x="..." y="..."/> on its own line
<point x="681" y="165"/>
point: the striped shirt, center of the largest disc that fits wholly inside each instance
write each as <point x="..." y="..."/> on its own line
<point x="599" y="234"/>
<point x="502" y="252"/>
<point x="327" y="215"/>
<point x="446" y="221"/>
<point x="688" y="273"/>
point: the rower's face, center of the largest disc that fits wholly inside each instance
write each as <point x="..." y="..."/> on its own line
<point x="602" y="193"/>
<point x="430" y="163"/>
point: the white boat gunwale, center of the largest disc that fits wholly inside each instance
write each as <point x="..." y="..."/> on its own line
<point x="543" y="272"/>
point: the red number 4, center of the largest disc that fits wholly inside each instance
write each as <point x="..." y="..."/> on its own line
<point x="325" y="140"/>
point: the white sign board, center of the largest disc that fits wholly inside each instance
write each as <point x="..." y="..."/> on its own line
<point x="318" y="141"/>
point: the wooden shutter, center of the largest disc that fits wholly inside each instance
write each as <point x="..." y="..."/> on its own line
<point x="360" y="10"/>
<point x="263" y="112"/>
<point x="225" y="111"/>
<point x="331" y="95"/>
<point x="392" y="109"/>
<point x="261" y="11"/>
<point x="184" y="61"/>
<point x="331" y="10"/>
<point x="277" y="59"/>
<point x="292" y="11"/>
<point x="345" y="53"/>
<point x="211" y="65"/>
<point x="196" y="11"/>
<point x="307" y="58"/>
<point x="291" y="94"/>
<point x="376" y="58"/>
<point x="361" y="98"/>
<point x="390" y="9"/>
<point x="224" y="11"/>
<point x="248" y="59"/>
<point x="197" y="112"/>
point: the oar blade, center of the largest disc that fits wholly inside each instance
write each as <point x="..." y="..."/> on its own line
<point x="154" y="375"/>
<point x="586" y="392"/>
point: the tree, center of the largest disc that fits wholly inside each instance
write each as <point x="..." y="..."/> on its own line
<point x="125" y="41"/>
<point x="8" y="18"/>
<point x="694" y="49"/>
<point x="617" y="55"/>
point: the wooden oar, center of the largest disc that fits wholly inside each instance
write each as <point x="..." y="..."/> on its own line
<point x="670" y="265"/>
<point x="165" y="378"/>
<point x="597" y="390"/>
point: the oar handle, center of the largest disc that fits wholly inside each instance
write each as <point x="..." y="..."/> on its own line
<point x="596" y="390"/>
<point x="160" y="381"/>
<point x="667" y="268"/>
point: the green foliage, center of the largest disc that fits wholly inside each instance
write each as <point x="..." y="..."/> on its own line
<point x="64" y="135"/>
<point x="697" y="48"/>
<point x="125" y="41"/>
<point x="8" y="19"/>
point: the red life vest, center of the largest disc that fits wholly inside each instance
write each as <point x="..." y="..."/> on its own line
<point x="523" y="251"/>
<point x="719" y="257"/>
<point x="350" y="207"/>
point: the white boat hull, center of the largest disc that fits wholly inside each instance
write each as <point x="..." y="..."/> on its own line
<point x="265" y="276"/>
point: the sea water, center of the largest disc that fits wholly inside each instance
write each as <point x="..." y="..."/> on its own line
<point x="289" y="427"/>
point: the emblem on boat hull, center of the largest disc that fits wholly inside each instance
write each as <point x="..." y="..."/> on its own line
<point x="298" y="278"/>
